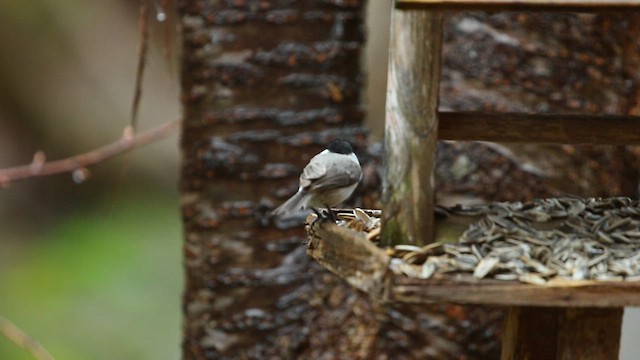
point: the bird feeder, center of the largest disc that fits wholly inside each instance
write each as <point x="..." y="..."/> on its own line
<point x="541" y="260"/>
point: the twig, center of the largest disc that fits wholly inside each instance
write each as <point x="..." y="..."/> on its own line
<point x="143" y="23"/>
<point x="162" y="17"/>
<point x="17" y="336"/>
<point x="128" y="141"/>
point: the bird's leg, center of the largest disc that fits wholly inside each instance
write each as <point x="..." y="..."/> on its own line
<point x="319" y="213"/>
<point x="332" y="216"/>
<point x="319" y="216"/>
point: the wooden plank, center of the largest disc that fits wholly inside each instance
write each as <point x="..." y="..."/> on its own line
<point x="523" y="5"/>
<point x="464" y="289"/>
<point x="539" y="128"/>
<point x="348" y="254"/>
<point x="411" y="125"/>
<point x="561" y="333"/>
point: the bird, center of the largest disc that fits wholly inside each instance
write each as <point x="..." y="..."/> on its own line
<point x="329" y="178"/>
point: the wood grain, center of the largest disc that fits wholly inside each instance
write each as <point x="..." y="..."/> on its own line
<point x="589" y="333"/>
<point x="561" y="333"/>
<point x="523" y="5"/>
<point x="530" y="333"/>
<point x="464" y="289"/>
<point x="411" y="125"/>
<point x="350" y="255"/>
<point x="539" y="128"/>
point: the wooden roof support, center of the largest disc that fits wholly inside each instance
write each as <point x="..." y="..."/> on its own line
<point x="540" y="128"/>
<point x="523" y="5"/>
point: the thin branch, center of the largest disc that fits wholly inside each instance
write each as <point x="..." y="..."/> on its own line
<point x="143" y="22"/>
<point x="17" y="336"/>
<point x="78" y="163"/>
<point x="163" y="18"/>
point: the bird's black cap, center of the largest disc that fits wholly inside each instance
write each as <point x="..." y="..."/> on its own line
<point x="339" y="146"/>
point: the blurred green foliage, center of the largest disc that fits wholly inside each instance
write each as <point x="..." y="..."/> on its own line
<point x="104" y="284"/>
<point x="91" y="271"/>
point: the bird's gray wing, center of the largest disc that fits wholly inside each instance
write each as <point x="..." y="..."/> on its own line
<point x="325" y="180"/>
<point x="312" y="172"/>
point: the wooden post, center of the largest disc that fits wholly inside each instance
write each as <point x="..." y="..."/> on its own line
<point x="411" y="126"/>
<point x="561" y="333"/>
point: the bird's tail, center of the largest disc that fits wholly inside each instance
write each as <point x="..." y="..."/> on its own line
<point x="297" y="202"/>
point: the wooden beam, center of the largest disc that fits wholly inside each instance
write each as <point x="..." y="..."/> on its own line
<point x="523" y="5"/>
<point x="561" y="333"/>
<point x="538" y="128"/>
<point x="411" y="126"/>
<point x="464" y="289"/>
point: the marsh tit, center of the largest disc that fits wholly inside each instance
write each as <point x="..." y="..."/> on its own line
<point x="328" y="179"/>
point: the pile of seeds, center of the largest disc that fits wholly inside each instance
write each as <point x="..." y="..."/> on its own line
<point x="566" y="238"/>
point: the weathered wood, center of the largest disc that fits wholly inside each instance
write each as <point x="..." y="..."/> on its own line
<point x="561" y="333"/>
<point x="530" y="333"/>
<point x="349" y="254"/>
<point x="539" y="128"/>
<point x="411" y="126"/>
<point x="523" y="5"/>
<point x="465" y="289"/>
<point x="589" y="333"/>
<point x="547" y="333"/>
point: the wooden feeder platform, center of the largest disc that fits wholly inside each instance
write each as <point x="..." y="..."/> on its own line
<point x="397" y="273"/>
<point x="555" y="319"/>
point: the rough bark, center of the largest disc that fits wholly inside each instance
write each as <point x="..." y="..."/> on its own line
<point x="265" y="85"/>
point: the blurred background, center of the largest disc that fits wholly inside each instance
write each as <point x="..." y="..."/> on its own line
<point x="91" y="270"/>
<point x="94" y="270"/>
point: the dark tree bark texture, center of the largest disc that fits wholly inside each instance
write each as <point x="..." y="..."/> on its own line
<point x="265" y="85"/>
